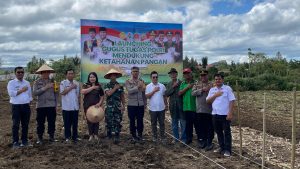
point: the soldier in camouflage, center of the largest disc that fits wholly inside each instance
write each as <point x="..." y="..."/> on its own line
<point x="115" y="105"/>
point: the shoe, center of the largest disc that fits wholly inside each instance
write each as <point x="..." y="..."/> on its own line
<point x="39" y="141"/>
<point x="109" y="135"/>
<point x="15" y="145"/>
<point x="209" y="147"/>
<point x="67" y="140"/>
<point x="52" y="139"/>
<point x="140" y="137"/>
<point x="96" y="138"/>
<point x="188" y="142"/>
<point x="201" y="145"/>
<point x="163" y="141"/>
<point x="227" y="153"/>
<point x="218" y="150"/>
<point x="116" y="139"/>
<point x="26" y="144"/>
<point x="154" y="139"/>
<point x="76" y="139"/>
<point x="91" y="138"/>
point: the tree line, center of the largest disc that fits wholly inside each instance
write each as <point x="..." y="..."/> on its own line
<point x="260" y="73"/>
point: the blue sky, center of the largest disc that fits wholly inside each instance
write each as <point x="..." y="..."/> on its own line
<point x="218" y="29"/>
<point x="226" y="7"/>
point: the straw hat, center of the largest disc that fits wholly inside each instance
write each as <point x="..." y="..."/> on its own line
<point x="94" y="114"/>
<point x="112" y="71"/>
<point x="45" y="68"/>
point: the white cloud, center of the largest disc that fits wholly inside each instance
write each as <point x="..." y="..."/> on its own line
<point x="51" y="28"/>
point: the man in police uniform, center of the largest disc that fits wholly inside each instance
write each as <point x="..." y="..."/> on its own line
<point x="152" y="36"/>
<point x="161" y="37"/>
<point x="203" y="111"/>
<point x="47" y="93"/>
<point x="169" y="43"/>
<point x="178" y="47"/>
<point x="90" y="44"/>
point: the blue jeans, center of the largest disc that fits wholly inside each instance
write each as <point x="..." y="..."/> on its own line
<point x="175" y="128"/>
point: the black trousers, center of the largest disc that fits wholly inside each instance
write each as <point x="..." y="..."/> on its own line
<point x="71" y="120"/>
<point x="205" y="129"/>
<point x="44" y="113"/>
<point x="222" y="128"/>
<point x="160" y="117"/>
<point x="191" y="122"/>
<point x="93" y="128"/>
<point x="20" y="114"/>
<point x="136" y="115"/>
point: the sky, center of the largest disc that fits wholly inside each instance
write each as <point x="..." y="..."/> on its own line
<point x="218" y="29"/>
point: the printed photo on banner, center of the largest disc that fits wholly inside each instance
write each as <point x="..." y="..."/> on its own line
<point x="121" y="45"/>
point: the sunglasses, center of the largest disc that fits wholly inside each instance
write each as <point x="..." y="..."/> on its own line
<point x="20" y="72"/>
<point x="154" y="77"/>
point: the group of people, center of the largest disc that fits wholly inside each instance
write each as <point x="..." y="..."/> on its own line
<point x="170" y="41"/>
<point x="201" y="105"/>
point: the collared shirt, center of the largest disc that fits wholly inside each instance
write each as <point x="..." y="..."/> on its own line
<point x="135" y="96"/>
<point x="69" y="101"/>
<point x="14" y="86"/>
<point x="156" y="102"/>
<point x="202" y="106"/>
<point x="221" y="104"/>
<point x="189" y="101"/>
<point x="45" y="97"/>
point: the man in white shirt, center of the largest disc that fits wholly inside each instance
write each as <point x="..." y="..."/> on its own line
<point x="19" y="91"/>
<point x="222" y="99"/>
<point x="155" y="92"/>
<point x="69" y="90"/>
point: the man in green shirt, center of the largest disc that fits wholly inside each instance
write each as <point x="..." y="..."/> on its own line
<point x="189" y="103"/>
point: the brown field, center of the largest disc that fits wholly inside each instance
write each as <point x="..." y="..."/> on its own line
<point x="104" y="154"/>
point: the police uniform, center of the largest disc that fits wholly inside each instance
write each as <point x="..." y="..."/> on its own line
<point x="46" y="107"/>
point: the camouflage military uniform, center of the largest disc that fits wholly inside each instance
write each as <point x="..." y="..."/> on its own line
<point x="113" y="113"/>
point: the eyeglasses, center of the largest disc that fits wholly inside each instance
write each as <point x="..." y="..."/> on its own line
<point x="20" y="72"/>
<point x="135" y="71"/>
<point x="154" y="77"/>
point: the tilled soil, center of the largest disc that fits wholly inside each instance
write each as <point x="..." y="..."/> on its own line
<point x="105" y="154"/>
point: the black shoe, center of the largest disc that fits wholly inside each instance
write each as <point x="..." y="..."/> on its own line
<point x="140" y="137"/>
<point x="202" y="144"/>
<point x="209" y="147"/>
<point x="15" y="145"/>
<point x="52" y="139"/>
<point x="26" y="144"/>
<point x="109" y="135"/>
<point x="116" y="139"/>
<point x="39" y="140"/>
<point x="188" y="142"/>
<point x="134" y="139"/>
